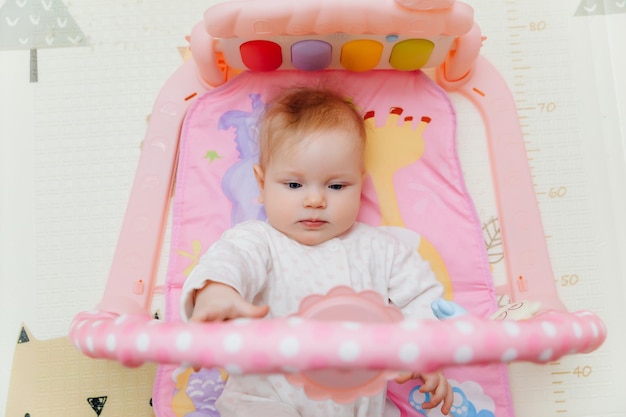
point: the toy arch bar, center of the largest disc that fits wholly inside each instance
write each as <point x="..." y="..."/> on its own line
<point x="443" y="34"/>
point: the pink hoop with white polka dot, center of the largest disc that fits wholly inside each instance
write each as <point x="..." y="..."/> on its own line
<point x="295" y="345"/>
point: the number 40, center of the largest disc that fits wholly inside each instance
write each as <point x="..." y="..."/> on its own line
<point x="582" y="371"/>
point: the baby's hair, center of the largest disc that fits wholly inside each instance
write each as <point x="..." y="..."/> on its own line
<point x="298" y="111"/>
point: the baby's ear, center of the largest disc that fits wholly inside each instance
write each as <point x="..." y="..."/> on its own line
<point x="259" y="175"/>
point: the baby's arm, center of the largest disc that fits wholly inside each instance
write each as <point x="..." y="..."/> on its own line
<point x="437" y="385"/>
<point x="414" y="288"/>
<point x="218" y="302"/>
<point x="229" y="275"/>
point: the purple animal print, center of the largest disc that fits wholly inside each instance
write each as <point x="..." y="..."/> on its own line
<point x="203" y="388"/>
<point x="238" y="183"/>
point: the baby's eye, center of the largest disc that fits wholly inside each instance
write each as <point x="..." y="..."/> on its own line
<point x="336" y="186"/>
<point x="293" y="185"/>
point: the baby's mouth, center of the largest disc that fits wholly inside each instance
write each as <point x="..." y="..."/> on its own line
<point x="313" y="223"/>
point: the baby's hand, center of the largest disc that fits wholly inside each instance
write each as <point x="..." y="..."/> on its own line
<point x="219" y="302"/>
<point x="437" y="385"/>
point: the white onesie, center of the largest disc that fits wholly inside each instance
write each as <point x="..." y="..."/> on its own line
<point x="269" y="268"/>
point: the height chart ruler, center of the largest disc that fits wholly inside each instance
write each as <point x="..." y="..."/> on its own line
<point x="555" y="57"/>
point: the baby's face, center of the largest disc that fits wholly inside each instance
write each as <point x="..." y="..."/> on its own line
<point x="312" y="190"/>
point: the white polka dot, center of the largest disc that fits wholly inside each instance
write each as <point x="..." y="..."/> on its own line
<point x="96" y="323"/>
<point x="511" y="328"/>
<point x="183" y="341"/>
<point x="409" y="352"/>
<point x="545" y="355"/>
<point x="232" y="343"/>
<point x="111" y="342"/>
<point x="295" y="321"/>
<point x="410" y="324"/>
<point x="594" y="329"/>
<point x="81" y="324"/>
<point x="143" y="342"/>
<point x="548" y="328"/>
<point x="352" y="325"/>
<point x="242" y="321"/>
<point x="120" y="319"/>
<point x="509" y="355"/>
<point x="464" y="326"/>
<point x="233" y="369"/>
<point x="578" y="331"/>
<point x="464" y="354"/>
<point x="89" y="343"/>
<point x="289" y="347"/>
<point x="349" y="351"/>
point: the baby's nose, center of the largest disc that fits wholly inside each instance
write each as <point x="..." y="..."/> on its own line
<point x="316" y="199"/>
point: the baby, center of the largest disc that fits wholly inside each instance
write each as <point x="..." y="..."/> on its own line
<point x="310" y="174"/>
